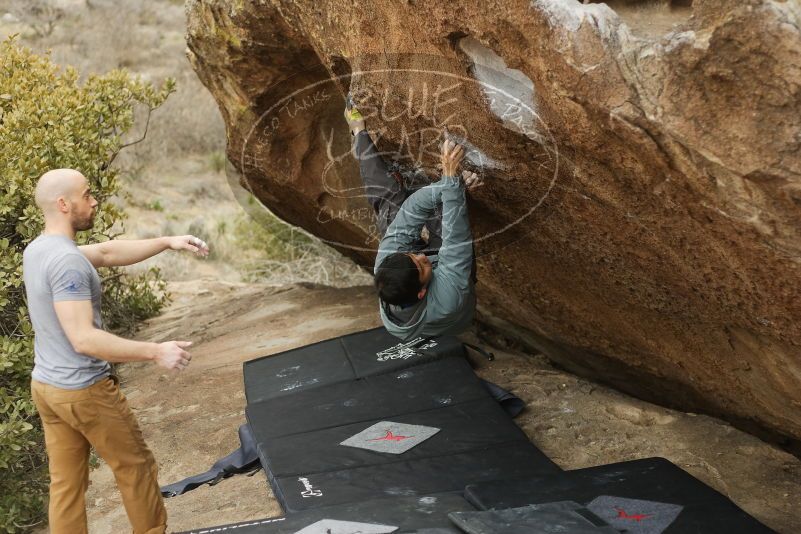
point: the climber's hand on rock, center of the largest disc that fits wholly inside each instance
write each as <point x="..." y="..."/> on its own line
<point x="472" y="181"/>
<point x="452" y="155"/>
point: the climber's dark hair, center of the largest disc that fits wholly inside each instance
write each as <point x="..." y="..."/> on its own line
<point x="398" y="280"/>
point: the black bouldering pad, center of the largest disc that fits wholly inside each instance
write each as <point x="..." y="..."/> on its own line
<point x="411" y="477"/>
<point x="464" y="427"/>
<point x="296" y="370"/>
<point x="410" y="514"/>
<point x="358" y="355"/>
<point x="636" y="493"/>
<point x="376" y="352"/>
<point x="564" y="517"/>
<point x="447" y="382"/>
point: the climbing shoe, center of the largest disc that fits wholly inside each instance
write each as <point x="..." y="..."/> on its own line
<point x="353" y="116"/>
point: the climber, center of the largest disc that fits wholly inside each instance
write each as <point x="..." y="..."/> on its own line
<point x="425" y="288"/>
<point x="77" y="396"/>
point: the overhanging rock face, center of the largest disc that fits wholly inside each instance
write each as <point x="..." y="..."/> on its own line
<point x="641" y="218"/>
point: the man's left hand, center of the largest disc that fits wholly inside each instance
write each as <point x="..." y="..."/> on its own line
<point x="190" y="243"/>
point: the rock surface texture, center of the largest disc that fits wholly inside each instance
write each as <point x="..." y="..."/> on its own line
<point x="641" y="218"/>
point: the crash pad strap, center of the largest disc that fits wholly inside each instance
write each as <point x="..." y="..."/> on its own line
<point x="511" y="403"/>
<point x="243" y="460"/>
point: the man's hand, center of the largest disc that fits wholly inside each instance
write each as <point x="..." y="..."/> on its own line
<point x="472" y="181"/>
<point x="171" y="355"/>
<point x="452" y="155"/>
<point x="190" y="243"/>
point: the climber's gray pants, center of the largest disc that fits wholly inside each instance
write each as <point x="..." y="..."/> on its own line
<point x="385" y="193"/>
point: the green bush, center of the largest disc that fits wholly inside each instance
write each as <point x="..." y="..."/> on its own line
<point x="48" y="119"/>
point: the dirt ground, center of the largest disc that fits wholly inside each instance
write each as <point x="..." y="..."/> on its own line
<point x="191" y="419"/>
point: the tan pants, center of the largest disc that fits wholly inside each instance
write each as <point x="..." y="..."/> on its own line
<point x="98" y="415"/>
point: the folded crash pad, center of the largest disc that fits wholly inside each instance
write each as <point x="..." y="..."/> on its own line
<point x="437" y="384"/>
<point x="463" y="427"/>
<point x="358" y="355"/>
<point x="549" y="518"/>
<point x="649" y="496"/>
<point x="427" y="513"/>
<point x="411" y="477"/>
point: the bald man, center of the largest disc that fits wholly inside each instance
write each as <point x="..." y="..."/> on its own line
<point x="78" y="398"/>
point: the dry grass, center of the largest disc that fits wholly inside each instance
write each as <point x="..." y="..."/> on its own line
<point x="283" y="254"/>
<point x="175" y="181"/>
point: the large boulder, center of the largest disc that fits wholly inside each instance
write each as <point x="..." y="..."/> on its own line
<point x="641" y="218"/>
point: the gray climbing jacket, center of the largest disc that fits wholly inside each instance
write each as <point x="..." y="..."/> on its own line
<point x="450" y="300"/>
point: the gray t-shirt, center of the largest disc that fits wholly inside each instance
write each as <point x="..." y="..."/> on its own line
<point x="55" y="270"/>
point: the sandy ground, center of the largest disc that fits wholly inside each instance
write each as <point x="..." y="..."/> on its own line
<point x="191" y="419"/>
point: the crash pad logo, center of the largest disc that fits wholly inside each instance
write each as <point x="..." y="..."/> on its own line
<point x="411" y="104"/>
<point x="308" y="489"/>
<point x="622" y="514"/>
<point x="635" y="516"/>
<point x="390" y="437"/>
<point x="404" y="351"/>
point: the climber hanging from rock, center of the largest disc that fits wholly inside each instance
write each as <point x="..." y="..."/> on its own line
<point x="425" y="287"/>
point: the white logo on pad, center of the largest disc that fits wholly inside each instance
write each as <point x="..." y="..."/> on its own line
<point x="309" y="490"/>
<point x="404" y="351"/>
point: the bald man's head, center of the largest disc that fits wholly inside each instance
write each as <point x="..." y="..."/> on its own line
<point x="64" y="195"/>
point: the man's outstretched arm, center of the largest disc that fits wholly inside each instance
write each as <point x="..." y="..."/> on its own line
<point x="412" y="216"/>
<point x="456" y="252"/>
<point x="419" y="207"/>
<point x="76" y="316"/>
<point x="121" y="252"/>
